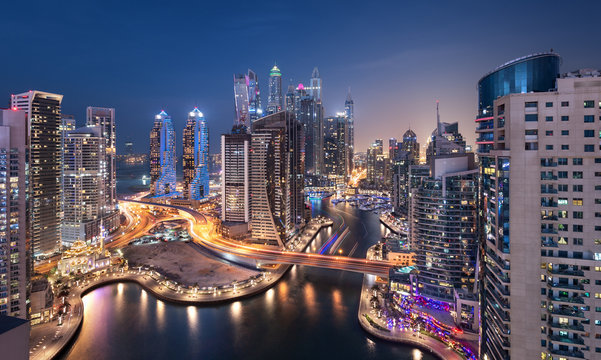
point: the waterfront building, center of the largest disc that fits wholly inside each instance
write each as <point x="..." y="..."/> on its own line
<point x="15" y="249"/>
<point x="196" y="156"/>
<point x="377" y="162"/>
<point x="276" y="178"/>
<point x="81" y="258"/>
<point x="105" y="119"/>
<point x="235" y="182"/>
<point x="162" y="156"/>
<point x="41" y="301"/>
<point x="541" y="203"/>
<point x="311" y="117"/>
<point x="241" y="101"/>
<point x="335" y="151"/>
<point x="275" y="101"/>
<point x="445" y="139"/>
<point x="45" y="163"/>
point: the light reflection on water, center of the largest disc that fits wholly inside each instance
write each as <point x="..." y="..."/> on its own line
<point x="311" y="313"/>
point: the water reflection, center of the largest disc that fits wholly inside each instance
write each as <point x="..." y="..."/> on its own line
<point x="337" y="304"/>
<point x="160" y="314"/>
<point x="310" y="303"/>
<point x="192" y="312"/>
<point x="235" y="311"/>
<point x="417" y="354"/>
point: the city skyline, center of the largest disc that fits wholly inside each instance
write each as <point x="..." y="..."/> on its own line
<point x="397" y="67"/>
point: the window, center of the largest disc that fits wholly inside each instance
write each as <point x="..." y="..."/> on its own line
<point x="577" y="214"/>
<point x="562" y="175"/>
<point x="562" y="161"/>
<point x="565" y="118"/>
<point x="589" y="118"/>
<point x="577" y="161"/>
<point x="548" y="147"/>
<point x="550" y="104"/>
<point x="597" y="160"/>
<point x="565" y="132"/>
<point x="597" y="201"/>
<point x="531" y="104"/>
<point x="598" y="214"/>
<point x="531" y="117"/>
<point x="577" y="228"/>
<point x="577" y="202"/>
<point x="562" y="214"/>
<point x="597" y="174"/>
<point x="565" y="103"/>
<point x="549" y="133"/>
<point x="589" y="104"/>
<point x="531" y="132"/>
<point x="589" y="133"/>
<point x="576" y="174"/>
<point x="577" y="188"/>
<point x="531" y="146"/>
<point x="597" y="228"/>
<point x="549" y="118"/>
<point x="589" y="148"/>
<point x="577" y="241"/>
<point x="562" y="201"/>
<point x="597" y="187"/>
<point x="562" y="187"/>
<point x="565" y="147"/>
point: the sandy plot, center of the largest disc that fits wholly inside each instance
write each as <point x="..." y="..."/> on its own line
<point x="181" y="262"/>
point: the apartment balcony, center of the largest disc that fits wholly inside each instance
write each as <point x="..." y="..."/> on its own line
<point x="567" y="312"/>
<point x="548" y="177"/>
<point x="488" y="125"/>
<point x="548" y="191"/>
<point x="552" y="204"/>
<point x="557" y="285"/>
<point x="573" y="327"/>
<point x="567" y="340"/>
<point x="548" y="231"/>
<point x="548" y="164"/>
<point x="566" y="272"/>
<point x="548" y="217"/>
<point x="549" y="243"/>
<point x="565" y="299"/>
<point x="563" y="353"/>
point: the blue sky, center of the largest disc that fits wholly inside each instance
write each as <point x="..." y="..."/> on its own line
<point x="398" y="57"/>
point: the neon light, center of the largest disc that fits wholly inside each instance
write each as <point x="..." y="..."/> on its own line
<point x="484" y="142"/>
<point x="485" y="118"/>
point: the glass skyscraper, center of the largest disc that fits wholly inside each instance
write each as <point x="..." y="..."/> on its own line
<point x="196" y="156"/>
<point x="162" y="156"/>
<point x="275" y="101"/>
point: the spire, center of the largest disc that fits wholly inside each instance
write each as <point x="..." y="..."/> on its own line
<point x="438" y="120"/>
<point x="348" y="95"/>
<point x="315" y="73"/>
<point x="275" y="71"/>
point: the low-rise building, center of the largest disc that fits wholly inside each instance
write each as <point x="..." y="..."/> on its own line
<point x="81" y="258"/>
<point x="41" y="301"/>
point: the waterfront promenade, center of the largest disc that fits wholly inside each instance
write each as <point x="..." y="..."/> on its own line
<point x="47" y="341"/>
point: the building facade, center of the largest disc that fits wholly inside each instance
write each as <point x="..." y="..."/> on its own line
<point x="541" y="199"/>
<point x="45" y="163"/>
<point x="241" y="101"/>
<point x="235" y="182"/>
<point x="162" y="156"/>
<point x="105" y="119"/>
<point x="196" y="156"/>
<point x="15" y="263"/>
<point x="275" y="101"/>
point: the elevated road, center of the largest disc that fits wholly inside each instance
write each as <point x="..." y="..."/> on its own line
<point x="203" y="232"/>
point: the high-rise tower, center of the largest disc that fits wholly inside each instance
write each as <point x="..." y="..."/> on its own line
<point x="254" y="97"/>
<point x="349" y="109"/>
<point x="235" y="182"/>
<point x="275" y="101"/>
<point x="44" y="140"/>
<point x="162" y="156"/>
<point x="241" y="93"/>
<point x="105" y="119"/>
<point x="196" y="156"/>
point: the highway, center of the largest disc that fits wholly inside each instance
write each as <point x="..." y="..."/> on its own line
<point x="203" y="232"/>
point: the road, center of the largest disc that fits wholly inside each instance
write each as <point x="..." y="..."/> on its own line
<point x="203" y="232"/>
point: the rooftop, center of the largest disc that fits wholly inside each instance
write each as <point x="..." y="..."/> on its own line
<point x="520" y="60"/>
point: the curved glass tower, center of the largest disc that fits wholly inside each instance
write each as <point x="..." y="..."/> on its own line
<point x="532" y="73"/>
<point x="196" y="156"/>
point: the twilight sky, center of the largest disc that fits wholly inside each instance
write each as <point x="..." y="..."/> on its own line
<point x="398" y="57"/>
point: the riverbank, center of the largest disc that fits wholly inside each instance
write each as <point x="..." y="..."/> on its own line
<point x="48" y="341"/>
<point x="376" y="327"/>
<point x="385" y="219"/>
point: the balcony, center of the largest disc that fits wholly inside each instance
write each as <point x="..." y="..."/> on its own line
<point x="567" y="312"/>
<point x="548" y="243"/>
<point x="565" y="286"/>
<point x="574" y="327"/>
<point x="548" y="164"/>
<point x="573" y="353"/>
<point x="548" y="191"/>
<point x="548" y="231"/>
<point x="565" y="299"/>
<point x="548" y="177"/>
<point x="548" y="203"/>
<point x="567" y="340"/>
<point x="548" y="217"/>
<point x="566" y="272"/>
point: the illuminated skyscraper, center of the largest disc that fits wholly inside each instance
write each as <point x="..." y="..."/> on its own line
<point x="196" y="156"/>
<point x="315" y="85"/>
<point x="445" y="139"/>
<point x="105" y="119"/>
<point x="254" y="97"/>
<point x="15" y="259"/>
<point x="335" y="151"/>
<point x="275" y="101"/>
<point x="162" y="156"/>
<point x="45" y="163"/>
<point x="349" y="109"/>
<point x="241" y="92"/>
<point x="235" y="191"/>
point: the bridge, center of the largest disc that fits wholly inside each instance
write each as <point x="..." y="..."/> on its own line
<point x="203" y="233"/>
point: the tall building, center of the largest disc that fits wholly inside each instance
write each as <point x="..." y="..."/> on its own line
<point x="105" y="119"/>
<point x="15" y="256"/>
<point x="541" y="232"/>
<point x="445" y="139"/>
<point x="45" y="163"/>
<point x="375" y="150"/>
<point x="335" y="151"/>
<point x="310" y="114"/>
<point x="406" y="156"/>
<point x="445" y="220"/>
<point x="275" y="101"/>
<point x="162" y="156"/>
<point x="349" y="110"/>
<point x="241" y="100"/>
<point x="235" y="182"/>
<point x="276" y="178"/>
<point x="315" y="85"/>
<point x="84" y="184"/>
<point x="410" y="144"/>
<point x="254" y="97"/>
<point x="196" y="156"/>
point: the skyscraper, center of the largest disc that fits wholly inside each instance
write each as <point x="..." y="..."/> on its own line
<point x="335" y="150"/>
<point x="445" y="139"/>
<point x="254" y="97"/>
<point x="540" y="173"/>
<point x="275" y="101"/>
<point x="310" y="114"/>
<point x="315" y="85"/>
<point x="162" y="156"/>
<point x="349" y="109"/>
<point x="44" y="140"/>
<point x="15" y="259"/>
<point x="84" y="184"/>
<point x="410" y="144"/>
<point x="105" y="119"/>
<point x="406" y="156"/>
<point x="276" y="178"/>
<point x="241" y="93"/>
<point x="196" y="156"/>
<point x="235" y="182"/>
